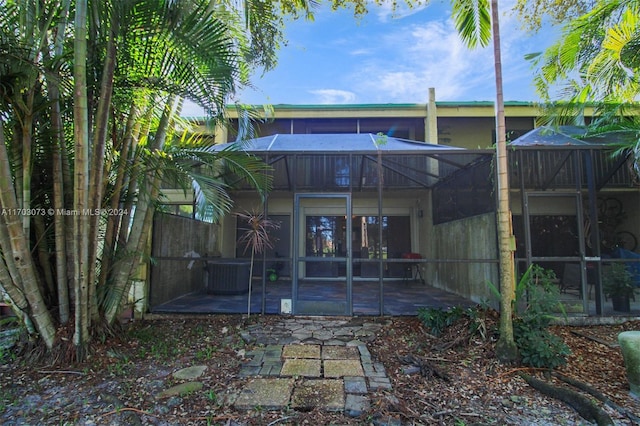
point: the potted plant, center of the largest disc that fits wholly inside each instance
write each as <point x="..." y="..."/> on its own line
<point x="618" y="285"/>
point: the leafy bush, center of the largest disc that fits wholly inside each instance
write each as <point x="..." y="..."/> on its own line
<point x="537" y="298"/>
<point x="617" y="281"/>
<point x="536" y="306"/>
<point x="437" y="319"/>
<point x="541" y="349"/>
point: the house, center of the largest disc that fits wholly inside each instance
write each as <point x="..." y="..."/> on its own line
<point x="387" y="208"/>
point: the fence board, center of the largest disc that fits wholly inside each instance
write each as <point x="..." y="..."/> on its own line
<point x="178" y="242"/>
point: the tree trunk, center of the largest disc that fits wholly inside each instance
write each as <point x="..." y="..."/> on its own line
<point x="27" y="126"/>
<point x="10" y="280"/>
<point x="131" y="180"/>
<point x="42" y="248"/>
<point x="20" y="254"/>
<point x="114" y="222"/>
<point x="253" y="251"/>
<point x="60" y="251"/>
<point x="81" y="183"/>
<point x="5" y="247"/>
<point x="142" y="219"/>
<point x="96" y="184"/>
<point x="506" y="349"/>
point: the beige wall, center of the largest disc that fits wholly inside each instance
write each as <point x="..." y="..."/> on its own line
<point x="462" y="124"/>
<point x="478" y="132"/>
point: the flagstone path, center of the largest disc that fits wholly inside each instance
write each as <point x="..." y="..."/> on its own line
<point x="312" y="363"/>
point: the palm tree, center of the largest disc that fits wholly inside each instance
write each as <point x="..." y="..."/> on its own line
<point x="596" y="65"/>
<point x="134" y="63"/>
<point x="21" y="104"/>
<point x="477" y="22"/>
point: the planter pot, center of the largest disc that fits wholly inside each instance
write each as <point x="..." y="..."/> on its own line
<point x="621" y="303"/>
<point x="630" y="348"/>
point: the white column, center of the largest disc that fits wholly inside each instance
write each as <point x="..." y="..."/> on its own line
<point x="431" y="124"/>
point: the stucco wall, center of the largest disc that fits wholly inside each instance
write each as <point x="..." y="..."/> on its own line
<point x="472" y="238"/>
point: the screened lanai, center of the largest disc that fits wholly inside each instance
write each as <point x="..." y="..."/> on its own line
<point x="369" y="225"/>
<point x="377" y="225"/>
<point x="576" y="206"/>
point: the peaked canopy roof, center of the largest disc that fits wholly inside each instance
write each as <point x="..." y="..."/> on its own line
<point x="572" y="136"/>
<point x="344" y="161"/>
<point x="331" y="142"/>
<point x="548" y="136"/>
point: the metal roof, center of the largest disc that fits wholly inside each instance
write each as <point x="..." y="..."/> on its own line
<point x="548" y="136"/>
<point x="343" y="143"/>
<point x="573" y="136"/>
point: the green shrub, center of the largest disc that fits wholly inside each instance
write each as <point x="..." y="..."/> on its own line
<point x="536" y="306"/>
<point x="437" y="319"/>
<point x="539" y="348"/>
<point x="537" y="302"/>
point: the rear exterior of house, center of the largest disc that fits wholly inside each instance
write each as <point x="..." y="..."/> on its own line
<point x="377" y="225"/>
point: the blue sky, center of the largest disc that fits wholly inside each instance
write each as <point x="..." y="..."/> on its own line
<point x="338" y="59"/>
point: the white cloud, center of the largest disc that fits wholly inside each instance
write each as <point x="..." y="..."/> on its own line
<point x="361" y="52"/>
<point x="385" y="10"/>
<point x="406" y="61"/>
<point x="423" y="56"/>
<point x="334" y="96"/>
<point x="397" y="60"/>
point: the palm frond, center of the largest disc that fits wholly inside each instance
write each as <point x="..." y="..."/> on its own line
<point x="190" y="164"/>
<point x="181" y="48"/>
<point x="472" y="19"/>
<point x="255" y="230"/>
<point x="590" y="53"/>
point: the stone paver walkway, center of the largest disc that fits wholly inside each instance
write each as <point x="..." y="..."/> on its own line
<point x="309" y="363"/>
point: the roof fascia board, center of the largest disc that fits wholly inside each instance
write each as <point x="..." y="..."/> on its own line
<point x="486" y="110"/>
<point x="343" y="111"/>
<point x="445" y="109"/>
<point x="351" y="113"/>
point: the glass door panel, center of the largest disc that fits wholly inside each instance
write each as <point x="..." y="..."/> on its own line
<point x="323" y="268"/>
<point x="325" y="238"/>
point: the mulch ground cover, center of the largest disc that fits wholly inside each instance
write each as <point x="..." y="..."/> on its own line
<point x="452" y="379"/>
